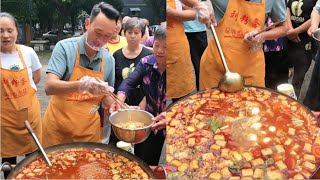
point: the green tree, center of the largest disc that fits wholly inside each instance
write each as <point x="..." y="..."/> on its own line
<point x="159" y="9"/>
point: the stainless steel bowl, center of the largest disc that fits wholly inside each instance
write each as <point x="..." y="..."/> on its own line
<point x="316" y="36"/>
<point x="128" y="135"/>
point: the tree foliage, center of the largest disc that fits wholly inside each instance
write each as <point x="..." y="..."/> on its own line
<point x="159" y="8"/>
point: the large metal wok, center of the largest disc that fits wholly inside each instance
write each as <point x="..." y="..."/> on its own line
<point x="316" y="174"/>
<point x="88" y="145"/>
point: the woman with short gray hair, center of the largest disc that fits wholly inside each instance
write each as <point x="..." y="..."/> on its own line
<point x="150" y="74"/>
<point x="129" y="56"/>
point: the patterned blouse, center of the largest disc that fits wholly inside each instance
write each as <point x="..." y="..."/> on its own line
<point x="153" y="83"/>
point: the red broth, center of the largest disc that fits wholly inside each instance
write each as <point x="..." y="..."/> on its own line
<point x="81" y="163"/>
<point x="254" y="133"/>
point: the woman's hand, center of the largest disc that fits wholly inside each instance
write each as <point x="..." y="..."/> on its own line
<point x="293" y="35"/>
<point x="160" y="122"/>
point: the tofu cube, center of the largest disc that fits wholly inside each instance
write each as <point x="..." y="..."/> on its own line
<point x="247" y="172"/>
<point x="215" y="176"/>
<point x="221" y="143"/>
<point x="208" y="156"/>
<point x="258" y="174"/>
<point x="200" y="125"/>
<point x="215" y="147"/>
<point x="274" y="175"/>
<point x="317" y="140"/>
<point x="257" y="162"/>
<point x="298" y="176"/>
<point x="308" y="165"/>
<point x="191" y="142"/>
<point x="305" y="173"/>
<point x="190" y="129"/>
<point x="224" y="152"/>
<point x="307" y="148"/>
<point x="309" y="157"/>
<point x="266" y="151"/>
<point x="176" y="163"/>
<point x="203" y="140"/>
<point x="225" y="172"/>
<point x="291" y="131"/>
<point x="218" y="137"/>
<point x="171" y="131"/>
<point x="169" y="158"/>
<point x="281" y="165"/>
<point x="288" y="142"/>
<point x="183" y="167"/>
<point x="236" y="155"/>
<point x="279" y="149"/>
<point x="247" y="156"/>
<point x="174" y="122"/>
<point x="194" y="165"/>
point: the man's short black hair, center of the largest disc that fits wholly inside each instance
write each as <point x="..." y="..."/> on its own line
<point x="108" y="10"/>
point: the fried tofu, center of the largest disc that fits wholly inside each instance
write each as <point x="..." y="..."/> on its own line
<point x="309" y="157"/>
<point x="308" y="165"/>
<point x="257" y="162"/>
<point x="298" y="177"/>
<point x="247" y="156"/>
<point x="176" y="163"/>
<point x="208" y="156"/>
<point x="215" y="147"/>
<point x="224" y="152"/>
<point x="288" y="142"/>
<point x="247" y="172"/>
<point x="215" y="176"/>
<point x="191" y="142"/>
<point x="218" y="137"/>
<point x="221" y="143"/>
<point x="281" y="165"/>
<point x="279" y="149"/>
<point x="307" y="148"/>
<point x="266" y="151"/>
<point x="225" y="172"/>
<point x="183" y="167"/>
<point x="291" y="131"/>
<point x="258" y="174"/>
<point x="194" y="165"/>
<point x="236" y="155"/>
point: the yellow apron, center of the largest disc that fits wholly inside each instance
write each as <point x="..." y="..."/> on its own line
<point x="240" y="17"/>
<point x="73" y="117"/>
<point x="17" y="93"/>
<point x="180" y="75"/>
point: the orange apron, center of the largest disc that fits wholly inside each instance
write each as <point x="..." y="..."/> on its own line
<point x="17" y="93"/>
<point x="240" y="17"/>
<point x="73" y="117"/>
<point x="180" y="75"/>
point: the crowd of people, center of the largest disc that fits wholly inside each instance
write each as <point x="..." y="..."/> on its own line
<point x="113" y="55"/>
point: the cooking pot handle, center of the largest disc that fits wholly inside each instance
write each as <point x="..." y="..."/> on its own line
<point x="6" y="166"/>
<point x="159" y="166"/>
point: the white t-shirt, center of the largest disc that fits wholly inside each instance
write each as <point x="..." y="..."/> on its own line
<point x="12" y="61"/>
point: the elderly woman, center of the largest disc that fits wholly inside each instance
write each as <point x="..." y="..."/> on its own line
<point x="150" y="74"/>
<point x="129" y="56"/>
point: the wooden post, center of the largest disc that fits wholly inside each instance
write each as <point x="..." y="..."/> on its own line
<point x="28" y="34"/>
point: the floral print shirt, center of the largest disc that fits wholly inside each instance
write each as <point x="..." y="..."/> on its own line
<point x="153" y="83"/>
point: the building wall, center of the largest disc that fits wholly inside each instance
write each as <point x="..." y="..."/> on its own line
<point x="146" y="11"/>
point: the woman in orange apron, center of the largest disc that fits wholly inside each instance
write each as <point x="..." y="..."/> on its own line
<point x="180" y="75"/>
<point x="19" y="100"/>
<point x="240" y="17"/>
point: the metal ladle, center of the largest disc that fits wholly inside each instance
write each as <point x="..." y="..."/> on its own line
<point x="230" y="82"/>
<point x="37" y="142"/>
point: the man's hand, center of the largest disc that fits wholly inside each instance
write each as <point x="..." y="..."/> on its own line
<point x="94" y="86"/>
<point x="160" y="122"/>
<point x="253" y="40"/>
<point x="205" y="13"/>
<point x="316" y="113"/>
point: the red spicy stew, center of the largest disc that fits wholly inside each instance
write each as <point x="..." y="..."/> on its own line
<point x="252" y="134"/>
<point x="81" y="163"/>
